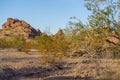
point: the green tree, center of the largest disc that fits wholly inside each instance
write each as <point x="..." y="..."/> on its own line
<point x="104" y="13"/>
<point x="74" y="26"/>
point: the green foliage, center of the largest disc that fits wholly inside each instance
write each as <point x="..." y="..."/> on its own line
<point x="117" y="30"/>
<point x="47" y="44"/>
<point x="91" y="38"/>
<point x="74" y="26"/>
<point x="17" y="41"/>
<point x="102" y="15"/>
<point x="3" y="43"/>
<point x="44" y="43"/>
<point x="101" y="24"/>
<point x="13" y="42"/>
<point x="50" y="47"/>
<point x="94" y="42"/>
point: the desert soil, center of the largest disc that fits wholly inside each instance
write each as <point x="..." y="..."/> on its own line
<point x="16" y="65"/>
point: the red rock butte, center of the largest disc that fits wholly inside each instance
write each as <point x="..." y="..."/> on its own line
<point x="20" y="27"/>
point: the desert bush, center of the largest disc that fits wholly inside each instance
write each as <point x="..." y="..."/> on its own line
<point x="50" y="48"/>
<point x="47" y="44"/>
<point x="13" y="42"/>
<point x="17" y="41"/>
<point x="44" y="43"/>
<point x="90" y="38"/>
<point x="3" y="43"/>
<point x="94" y="42"/>
<point x="26" y="48"/>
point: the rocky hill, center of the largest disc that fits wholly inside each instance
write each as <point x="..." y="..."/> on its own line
<point x="18" y="27"/>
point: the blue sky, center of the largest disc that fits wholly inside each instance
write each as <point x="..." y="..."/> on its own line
<point x="43" y="14"/>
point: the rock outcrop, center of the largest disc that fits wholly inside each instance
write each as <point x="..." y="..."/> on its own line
<point x="20" y="27"/>
<point x="114" y="39"/>
<point x="58" y="35"/>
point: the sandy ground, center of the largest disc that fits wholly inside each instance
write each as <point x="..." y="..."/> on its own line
<point x="20" y="66"/>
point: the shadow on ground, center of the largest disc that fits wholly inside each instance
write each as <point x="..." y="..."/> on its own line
<point x="69" y="78"/>
<point x="18" y="59"/>
<point x="10" y="74"/>
<point x="29" y="73"/>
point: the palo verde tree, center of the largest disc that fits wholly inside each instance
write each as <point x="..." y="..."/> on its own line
<point x="74" y="26"/>
<point x="104" y="13"/>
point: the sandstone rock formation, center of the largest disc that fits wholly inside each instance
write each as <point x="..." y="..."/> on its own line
<point x="114" y="39"/>
<point x="58" y="35"/>
<point x="20" y="27"/>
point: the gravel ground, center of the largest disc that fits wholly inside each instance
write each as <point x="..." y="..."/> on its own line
<point x="20" y="66"/>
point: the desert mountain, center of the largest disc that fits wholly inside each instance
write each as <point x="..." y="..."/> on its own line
<point x="18" y="27"/>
